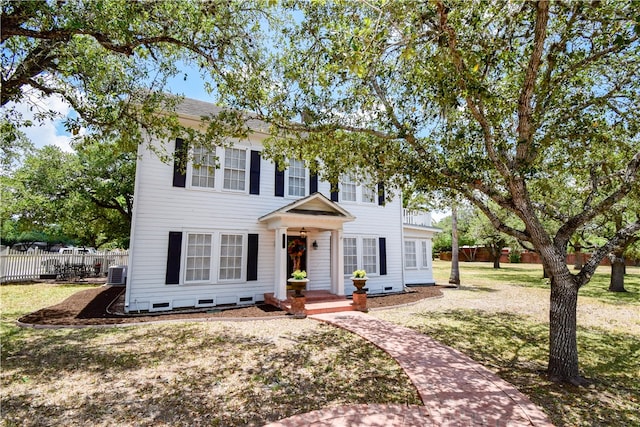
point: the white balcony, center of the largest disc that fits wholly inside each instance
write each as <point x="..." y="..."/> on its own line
<point x="420" y="218"/>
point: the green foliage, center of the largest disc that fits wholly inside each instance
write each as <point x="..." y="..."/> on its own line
<point x="111" y="59"/>
<point x="86" y="196"/>
<point x="442" y="240"/>
<point x="528" y="110"/>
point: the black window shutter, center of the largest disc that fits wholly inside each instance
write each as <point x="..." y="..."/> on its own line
<point x="334" y="191"/>
<point x="381" y="195"/>
<point x="252" y="257"/>
<point x="313" y="183"/>
<point x="180" y="164"/>
<point x="173" y="258"/>
<point x="279" y="182"/>
<point x="254" y="173"/>
<point x="382" y="243"/>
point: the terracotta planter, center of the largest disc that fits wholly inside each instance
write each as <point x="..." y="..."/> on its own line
<point x="298" y="285"/>
<point x="359" y="283"/>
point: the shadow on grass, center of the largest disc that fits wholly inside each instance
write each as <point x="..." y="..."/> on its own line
<point x="517" y="349"/>
<point x="530" y="275"/>
<point x="190" y="375"/>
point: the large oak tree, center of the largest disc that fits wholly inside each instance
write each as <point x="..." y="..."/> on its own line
<point x="111" y="60"/>
<point x="539" y="98"/>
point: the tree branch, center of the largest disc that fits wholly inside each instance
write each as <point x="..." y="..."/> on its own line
<point x="620" y="239"/>
<point x="628" y="180"/>
<point x="525" y="127"/>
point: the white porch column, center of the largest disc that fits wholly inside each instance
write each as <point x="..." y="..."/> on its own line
<point x="337" y="263"/>
<point x="280" y="286"/>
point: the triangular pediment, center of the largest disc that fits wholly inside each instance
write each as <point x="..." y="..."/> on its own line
<point x="310" y="209"/>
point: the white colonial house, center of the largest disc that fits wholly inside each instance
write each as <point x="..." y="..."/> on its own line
<point x="205" y="237"/>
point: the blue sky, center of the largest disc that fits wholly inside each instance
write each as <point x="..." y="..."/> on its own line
<point x="53" y="132"/>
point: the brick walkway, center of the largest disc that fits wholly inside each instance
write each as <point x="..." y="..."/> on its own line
<point x="456" y="390"/>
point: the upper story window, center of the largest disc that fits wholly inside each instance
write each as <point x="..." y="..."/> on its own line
<point x="369" y="193"/>
<point x="203" y="171"/>
<point x="235" y="168"/>
<point x="297" y="178"/>
<point x="348" y="189"/>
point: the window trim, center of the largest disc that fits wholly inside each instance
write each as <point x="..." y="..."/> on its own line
<point x="185" y="251"/>
<point x="243" y="270"/>
<point x="360" y="253"/>
<point x="247" y="171"/>
<point x="214" y="266"/>
<point x="341" y="190"/>
<point x="415" y="247"/>
<point x="307" y="177"/>
<point x="424" y="243"/>
<point x="216" y="173"/>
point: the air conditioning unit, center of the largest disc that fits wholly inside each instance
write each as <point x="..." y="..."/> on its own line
<point x="117" y="275"/>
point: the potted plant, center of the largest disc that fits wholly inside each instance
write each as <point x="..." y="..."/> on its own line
<point x="359" y="279"/>
<point x="298" y="281"/>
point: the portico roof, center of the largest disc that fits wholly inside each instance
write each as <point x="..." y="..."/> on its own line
<point x="314" y="211"/>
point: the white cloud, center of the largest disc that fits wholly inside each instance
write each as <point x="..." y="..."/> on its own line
<point x="45" y="132"/>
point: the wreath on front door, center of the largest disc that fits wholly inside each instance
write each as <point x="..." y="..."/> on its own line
<point x="296" y="249"/>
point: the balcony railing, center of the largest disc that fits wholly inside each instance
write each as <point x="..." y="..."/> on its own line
<point x="420" y="218"/>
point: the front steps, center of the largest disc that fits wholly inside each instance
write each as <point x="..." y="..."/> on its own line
<point x="317" y="302"/>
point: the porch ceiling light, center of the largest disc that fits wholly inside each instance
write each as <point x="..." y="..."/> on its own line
<point x="303" y="233"/>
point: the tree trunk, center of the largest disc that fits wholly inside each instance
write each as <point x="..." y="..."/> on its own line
<point x="454" y="278"/>
<point x="617" y="273"/>
<point x="496" y="252"/>
<point x="563" y="347"/>
<point x="577" y="262"/>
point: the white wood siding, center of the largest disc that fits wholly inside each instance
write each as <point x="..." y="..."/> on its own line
<point x="421" y="274"/>
<point x="161" y="208"/>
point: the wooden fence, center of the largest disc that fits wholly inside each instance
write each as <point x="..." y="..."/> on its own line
<point x="16" y="266"/>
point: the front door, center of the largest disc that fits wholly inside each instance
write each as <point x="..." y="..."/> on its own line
<point x="297" y="254"/>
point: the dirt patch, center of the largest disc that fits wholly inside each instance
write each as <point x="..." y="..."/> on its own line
<point x="98" y="306"/>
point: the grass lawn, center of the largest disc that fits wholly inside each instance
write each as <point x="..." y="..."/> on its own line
<point x="198" y="373"/>
<point x="499" y="318"/>
<point x="250" y="373"/>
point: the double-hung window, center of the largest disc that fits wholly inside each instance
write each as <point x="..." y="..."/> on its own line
<point x="350" y="246"/>
<point x="297" y="178"/>
<point x="203" y="171"/>
<point x="370" y="254"/>
<point x="198" y="261"/>
<point x="410" y="256"/>
<point x="231" y="249"/>
<point x="348" y="189"/>
<point x="369" y="193"/>
<point x="235" y="168"/>
<point x="208" y="252"/>
<point x="425" y="258"/>
<point x="360" y="253"/>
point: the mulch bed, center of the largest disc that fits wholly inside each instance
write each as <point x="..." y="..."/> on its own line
<point x="98" y="306"/>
